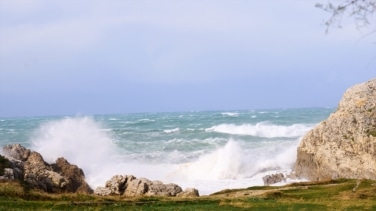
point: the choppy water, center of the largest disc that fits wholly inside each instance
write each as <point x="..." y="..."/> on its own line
<point x="210" y="150"/>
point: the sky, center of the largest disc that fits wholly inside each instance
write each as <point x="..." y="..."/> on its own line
<point x="109" y="57"/>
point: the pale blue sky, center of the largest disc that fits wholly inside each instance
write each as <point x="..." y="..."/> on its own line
<point x="98" y="57"/>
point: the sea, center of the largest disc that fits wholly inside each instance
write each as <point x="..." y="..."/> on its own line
<point x="206" y="150"/>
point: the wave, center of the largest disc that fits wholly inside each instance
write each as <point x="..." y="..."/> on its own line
<point x="87" y="144"/>
<point x="172" y="130"/>
<point x="262" y="130"/>
<point x="233" y="162"/>
<point x="83" y="142"/>
<point x="231" y="114"/>
<point x="140" y="122"/>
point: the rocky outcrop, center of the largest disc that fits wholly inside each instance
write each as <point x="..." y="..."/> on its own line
<point x="16" y="151"/>
<point x="30" y="167"/>
<point x="38" y="174"/>
<point x="344" y="145"/>
<point x="273" y="178"/>
<point x="130" y="186"/>
<point x="74" y="175"/>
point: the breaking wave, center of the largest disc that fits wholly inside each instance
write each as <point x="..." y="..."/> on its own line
<point x="262" y="130"/>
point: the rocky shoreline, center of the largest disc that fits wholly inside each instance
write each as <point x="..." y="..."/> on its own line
<point x="20" y="163"/>
<point x="343" y="146"/>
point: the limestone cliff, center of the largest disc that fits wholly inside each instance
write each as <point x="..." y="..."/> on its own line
<point x="344" y="145"/>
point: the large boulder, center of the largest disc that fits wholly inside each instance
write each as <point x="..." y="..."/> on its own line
<point x="344" y="145"/>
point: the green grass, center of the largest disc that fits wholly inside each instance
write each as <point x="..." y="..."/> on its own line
<point x="372" y="133"/>
<point x="327" y="195"/>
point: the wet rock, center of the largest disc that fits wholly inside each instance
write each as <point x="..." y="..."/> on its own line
<point x="273" y="178"/>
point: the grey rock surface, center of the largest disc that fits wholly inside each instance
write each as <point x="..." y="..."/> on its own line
<point x="30" y="167"/>
<point x="130" y="186"/>
<point x="344" y="145"/>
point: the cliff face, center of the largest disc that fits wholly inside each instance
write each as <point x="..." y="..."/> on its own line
<point x="344" y="145"/>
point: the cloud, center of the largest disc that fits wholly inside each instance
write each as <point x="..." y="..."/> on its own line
<point x="162" y="41"/>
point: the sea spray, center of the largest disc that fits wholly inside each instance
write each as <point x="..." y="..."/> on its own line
<point x="223" y="163"/>
<point x="262" y="129"/>
<point x="233" y="161"/>
<point x="210" y="151"/>
<point x="83" y="142"/>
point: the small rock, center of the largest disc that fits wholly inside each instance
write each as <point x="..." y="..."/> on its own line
<point x="274" y="178"/>
<point x="188" y="193"/>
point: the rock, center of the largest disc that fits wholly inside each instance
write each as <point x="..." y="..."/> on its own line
<point x="38" y="174"/>
<point x="344" y="145"/>
<point x="130" y="186"/>
<point x="160" y="189"/>
<point x="188" y="193"/>
<point x="118" y="183"/>
<point x="274" y="178"/>
<point x="74" y="175"/>
<point x="102" y="191"/>
<point x="16" y="151"/>
<point x="8" y="174"/>
<point x="56" y="178"/>
<point x="137" y="187"/>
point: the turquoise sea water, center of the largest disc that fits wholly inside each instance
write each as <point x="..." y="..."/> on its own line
<point x="208" y="150"/>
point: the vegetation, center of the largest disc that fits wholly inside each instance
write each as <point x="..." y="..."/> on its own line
<point x="359" y="10"/>
<point x="371" y="133"/>
<point x="341" y="194"/>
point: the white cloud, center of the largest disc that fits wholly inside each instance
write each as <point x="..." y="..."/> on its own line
<point x="162" y="40"/>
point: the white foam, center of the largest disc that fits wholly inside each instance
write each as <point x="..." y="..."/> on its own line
<point x="83" y="142"/>
<point x="172" y="130"/>
<point x="146" y="120"/>
<point x="231" y="114"/>
<point x="232" y="164"/>
<point x="224" y="163"/>
<point x="262" y="129"/>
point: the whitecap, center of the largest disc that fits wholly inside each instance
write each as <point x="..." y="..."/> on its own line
<point x="230" y="114"/>
<point x="171" y="130"/>
<point x="262" y="129"/>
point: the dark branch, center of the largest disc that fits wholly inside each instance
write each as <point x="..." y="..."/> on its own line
<point x="359" y="10"/>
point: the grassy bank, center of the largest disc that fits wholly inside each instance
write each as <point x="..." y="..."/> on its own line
<point x="330" y="195"/>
